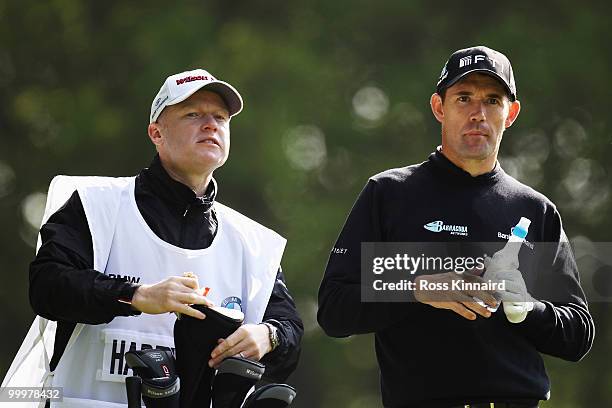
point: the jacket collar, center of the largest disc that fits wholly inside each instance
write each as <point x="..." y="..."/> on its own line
<point x="442" y="166"/>
<point x="174" y="192"/>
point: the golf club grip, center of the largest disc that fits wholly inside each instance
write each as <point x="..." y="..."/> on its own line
<point x="132" y="386"/>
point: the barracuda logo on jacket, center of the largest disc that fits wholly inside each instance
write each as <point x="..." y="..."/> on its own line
<point x="439" y="226"/>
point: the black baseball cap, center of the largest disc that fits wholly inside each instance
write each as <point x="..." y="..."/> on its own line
<point x="478" y="59"/>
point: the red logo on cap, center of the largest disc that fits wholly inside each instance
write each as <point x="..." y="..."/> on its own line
<point x="194" y="78"/>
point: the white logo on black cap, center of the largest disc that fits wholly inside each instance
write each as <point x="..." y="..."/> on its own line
<point x="444" y="73"/>
<point x="465" y="61"/>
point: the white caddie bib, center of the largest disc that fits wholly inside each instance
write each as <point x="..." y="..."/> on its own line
<point x="239" y="268"/>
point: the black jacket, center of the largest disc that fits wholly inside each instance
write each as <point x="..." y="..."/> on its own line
<point x="433" y="357"/>
<point x="65" y="287"/>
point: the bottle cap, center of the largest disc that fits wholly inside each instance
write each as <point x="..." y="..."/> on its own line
<point x="521" y="228"/>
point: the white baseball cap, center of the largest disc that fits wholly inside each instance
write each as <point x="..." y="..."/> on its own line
<point x="178" y="87"/>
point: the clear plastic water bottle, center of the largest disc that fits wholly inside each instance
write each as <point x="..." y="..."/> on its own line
<point x="507" y="257"/>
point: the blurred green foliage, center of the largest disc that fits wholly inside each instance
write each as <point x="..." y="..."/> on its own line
<point x="334" y="91"/>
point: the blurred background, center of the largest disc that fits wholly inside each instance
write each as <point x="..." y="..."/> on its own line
<point x="335" y="91"/>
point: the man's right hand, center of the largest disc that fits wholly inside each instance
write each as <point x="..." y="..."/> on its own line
<point x="459" y="301"/>
<point x="174" y="294"/>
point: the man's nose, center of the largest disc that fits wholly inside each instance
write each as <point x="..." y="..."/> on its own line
<point x="209" y="122"/>
<point x="478" y="113"/>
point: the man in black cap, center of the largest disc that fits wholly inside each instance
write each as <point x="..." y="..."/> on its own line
<point x="444" y="348"/>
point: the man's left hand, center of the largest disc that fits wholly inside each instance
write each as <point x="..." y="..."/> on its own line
<point x="516" y="289"/>
<point x="250" y="341"/>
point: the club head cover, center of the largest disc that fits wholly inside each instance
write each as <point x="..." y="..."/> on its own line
<point x="194" y="340"/>
<point x="271" y="396"/>
<point x="233" y="380"/>
<point x="160" y="384"/>
<point x="163" y="392"/>
<point x="151" y="363"/>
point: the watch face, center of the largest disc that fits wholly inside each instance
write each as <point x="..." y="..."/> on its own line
<point x="273" y="335"/>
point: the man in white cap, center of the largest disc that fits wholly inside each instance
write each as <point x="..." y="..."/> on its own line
<point x="123" y="252"/>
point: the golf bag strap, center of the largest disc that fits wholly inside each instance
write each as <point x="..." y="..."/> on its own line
<point x="48" y="378"/>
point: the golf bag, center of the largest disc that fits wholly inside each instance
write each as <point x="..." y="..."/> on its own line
<point x="157" y="379"/>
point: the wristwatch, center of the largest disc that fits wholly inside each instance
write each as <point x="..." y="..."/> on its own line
<point x="273" y="335"/>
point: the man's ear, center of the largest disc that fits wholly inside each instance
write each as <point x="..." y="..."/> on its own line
<point x="436" y="107"/>
<point x="154" y="131"/>
<point x="515" y="109"/>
